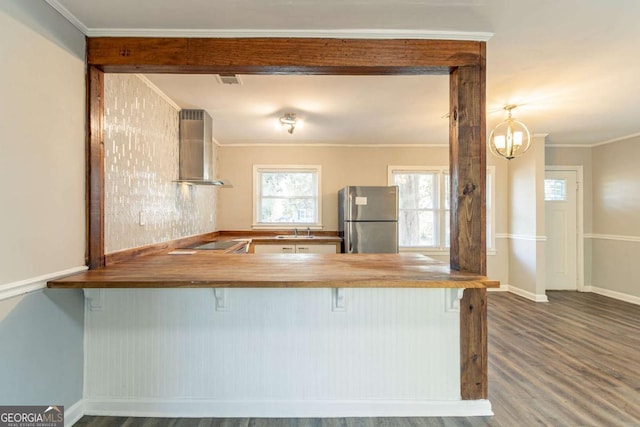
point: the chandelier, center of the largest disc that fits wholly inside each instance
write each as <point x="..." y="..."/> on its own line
<point x="510" y="138"/>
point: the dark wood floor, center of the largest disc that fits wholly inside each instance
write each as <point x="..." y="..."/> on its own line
<point x="574" y="361"/>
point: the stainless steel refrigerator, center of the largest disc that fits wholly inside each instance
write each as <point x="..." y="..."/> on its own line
<point x="368" y="219"/>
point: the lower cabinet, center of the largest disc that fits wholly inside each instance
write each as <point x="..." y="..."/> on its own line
<point x="302" y="248"/>
<point x="316" y="249"/>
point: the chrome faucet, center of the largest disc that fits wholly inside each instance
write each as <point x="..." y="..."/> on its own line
<point x="295" y="231"/>
<point x="308" y="232"/>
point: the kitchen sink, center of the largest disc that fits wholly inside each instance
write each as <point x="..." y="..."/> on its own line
<point x="292" y="236"/>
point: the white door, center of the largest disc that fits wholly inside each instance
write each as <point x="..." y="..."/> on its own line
<point x="560" y="188"/>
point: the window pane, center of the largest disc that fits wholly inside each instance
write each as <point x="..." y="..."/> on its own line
<point x="285" y="210"/>
<point x="555" y="189"/>
<point x="288" y="184"/>
<point x="447" y="229"/>
<point x="447" y="192"/>
<point x="417" y="228"/>
<point x="287" y="196"/>
<point x="417" y="190"/>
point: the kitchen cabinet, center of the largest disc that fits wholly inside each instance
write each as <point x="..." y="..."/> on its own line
<point x="306" y="248"/>
<point x="300" y="248"/>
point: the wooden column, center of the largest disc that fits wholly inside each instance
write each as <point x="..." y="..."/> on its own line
<point x="467" y="162"/>
<point x="95" y="168"/>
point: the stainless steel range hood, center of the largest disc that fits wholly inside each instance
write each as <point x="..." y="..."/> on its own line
<point x="196" y="150"/>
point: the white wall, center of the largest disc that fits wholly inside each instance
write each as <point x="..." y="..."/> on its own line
<point x="526" y="223"/>
<point x="615" y="239"/>
<point x="611" y="209"/>
<point x="42" y="145"/>
<point x="42" y="118"/>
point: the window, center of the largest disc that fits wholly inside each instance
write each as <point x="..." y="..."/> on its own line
<point x="287" y="196"/>
<point x="424" y="206"/>
<point x="555" y="190"/>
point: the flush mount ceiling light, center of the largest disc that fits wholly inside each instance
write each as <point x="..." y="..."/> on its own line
<point x="511" y="138"/>
<point x="289" y="119"/>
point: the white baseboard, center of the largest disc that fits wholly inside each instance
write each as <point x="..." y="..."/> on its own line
<point x="201" y="408"/>
<point x="528" y="295"/>
<point x="502" y="288"/>
<point x="612" y="294"/>
<point x="73" y="414"/>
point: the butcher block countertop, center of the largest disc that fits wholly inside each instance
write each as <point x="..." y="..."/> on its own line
<point x="206" y="269"/>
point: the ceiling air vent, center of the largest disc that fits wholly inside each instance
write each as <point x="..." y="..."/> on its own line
<point x="229" y="79"/>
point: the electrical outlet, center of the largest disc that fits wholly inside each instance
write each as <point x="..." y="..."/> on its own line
<point x="142" y="220"/>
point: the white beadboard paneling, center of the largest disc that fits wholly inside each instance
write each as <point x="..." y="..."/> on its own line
<point x="273" y="345"/>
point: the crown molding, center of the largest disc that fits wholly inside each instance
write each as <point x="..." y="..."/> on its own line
<point x="480" y="36"/>
<point x="292" y="33"/>
<point x="68" y="16"/>
<point x="568" y="146"/>
<point x="597" y="144"/>
<point x="622" y="138"/>
<point x="158" y="91"/>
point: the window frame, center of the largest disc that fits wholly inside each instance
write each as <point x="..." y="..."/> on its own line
<point x="257" y="193"/>
<point x="442" y="211"/>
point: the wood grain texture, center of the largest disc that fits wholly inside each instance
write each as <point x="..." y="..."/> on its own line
<point x="258" y="236"/>
<point x="281" y="55"/>
<point x="467" y="166"/>
<point x="208" y="269"/>
<point x="574" y="361"/>
<point x="473" y="344"/>
<point x="129" y="254"/>
<point x="95" y="169"/>
<point x="467" y="163"/>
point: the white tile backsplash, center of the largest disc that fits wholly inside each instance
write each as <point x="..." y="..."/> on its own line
<point x="141" y="163"/>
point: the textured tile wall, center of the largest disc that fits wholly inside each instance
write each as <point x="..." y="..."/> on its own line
<point x="141" y="163"/>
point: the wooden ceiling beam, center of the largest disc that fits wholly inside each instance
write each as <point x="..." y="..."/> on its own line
<point x="281" y="55"/>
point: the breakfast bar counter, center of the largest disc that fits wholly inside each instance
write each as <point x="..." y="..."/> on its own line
<point x="205" y="269"/>
<point x="284" y="335"/>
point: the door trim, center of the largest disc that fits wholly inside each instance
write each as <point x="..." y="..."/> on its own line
<point x="579" y="170"/>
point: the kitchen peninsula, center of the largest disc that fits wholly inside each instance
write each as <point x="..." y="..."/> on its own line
<point x="204" y="269"/>
<point x="331" y="348"/>
<point x="352" y="334"/>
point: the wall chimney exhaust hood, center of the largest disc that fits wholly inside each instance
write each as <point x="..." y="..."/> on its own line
<point x="196" y="150"/>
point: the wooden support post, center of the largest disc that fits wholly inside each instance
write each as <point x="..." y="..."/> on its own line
<point x="467" y="162"/>
<point x="473" y="344"/>
<point x="95" y="168"/>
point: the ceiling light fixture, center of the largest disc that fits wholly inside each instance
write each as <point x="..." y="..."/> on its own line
<point x="511" y="138"/>
<point x="289" y="119"/>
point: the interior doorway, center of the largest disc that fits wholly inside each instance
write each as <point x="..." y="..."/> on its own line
<point x="563" y="224"/>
